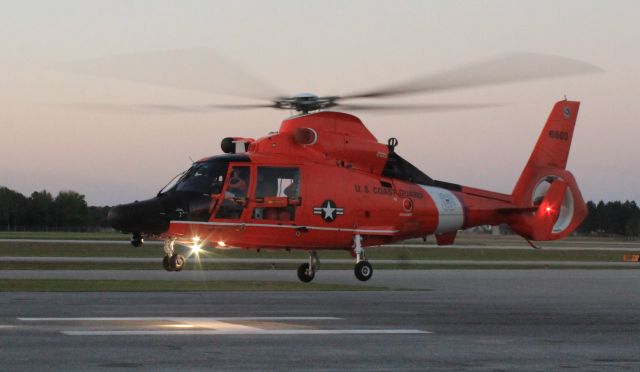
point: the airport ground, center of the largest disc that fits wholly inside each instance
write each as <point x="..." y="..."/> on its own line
<point x="430" y="320"/>
<point x="452" y="317"/>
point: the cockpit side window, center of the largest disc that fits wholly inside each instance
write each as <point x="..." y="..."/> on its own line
<point x="235" y="194"/>
<point x="238" y="182"/>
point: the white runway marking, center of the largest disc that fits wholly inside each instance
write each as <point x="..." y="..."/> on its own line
<point x="181" y="319"/>
<point x="205" y="326"/>
<point x="255" y="331"/>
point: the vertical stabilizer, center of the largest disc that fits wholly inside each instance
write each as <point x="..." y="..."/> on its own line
<point x="546" y="167"/>
<point x="554" y="143"/>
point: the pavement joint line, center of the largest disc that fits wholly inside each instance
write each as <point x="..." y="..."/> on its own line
<point x="250" y="332"/>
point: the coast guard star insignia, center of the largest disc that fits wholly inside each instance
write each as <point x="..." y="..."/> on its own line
<point x="328" y="210"/>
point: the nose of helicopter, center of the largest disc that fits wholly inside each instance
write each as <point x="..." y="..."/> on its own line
<point x="117" y="217"/>
<point x="139" y="217"/>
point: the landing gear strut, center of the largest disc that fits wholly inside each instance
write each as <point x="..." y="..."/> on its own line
<point x="172" y="261"/>
<point x="307" y="271"/>
<point x="363" y="269"/>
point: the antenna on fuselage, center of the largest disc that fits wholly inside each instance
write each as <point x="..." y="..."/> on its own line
<point x="391" y="144"/>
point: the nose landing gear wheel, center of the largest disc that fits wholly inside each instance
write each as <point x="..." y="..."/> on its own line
<point x="305" y="274"/>
<point x="363" y="271"/>
<point x="137" y="240"/>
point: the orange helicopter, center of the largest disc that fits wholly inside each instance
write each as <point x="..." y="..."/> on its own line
<point x="323" y="181"/>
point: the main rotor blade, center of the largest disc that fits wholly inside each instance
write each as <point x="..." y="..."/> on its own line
<point x="172" y="108"/>
<point x="200" y="70"/>
<point x="167" y="108"/>
<point x="412" y="108"/>
<point x="506" y="69"/>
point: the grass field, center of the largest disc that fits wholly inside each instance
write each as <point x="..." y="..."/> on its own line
<point x="407" y="252"/>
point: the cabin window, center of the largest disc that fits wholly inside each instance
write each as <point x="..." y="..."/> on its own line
<point x="277" y="193"/>
<point x="278" y="181"/>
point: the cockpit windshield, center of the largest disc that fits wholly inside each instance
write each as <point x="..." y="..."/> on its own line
<point x="172" y="184"/>
<point x="204" y="177"/>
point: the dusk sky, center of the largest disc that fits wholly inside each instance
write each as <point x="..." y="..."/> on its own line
<point x="326" y="47"/>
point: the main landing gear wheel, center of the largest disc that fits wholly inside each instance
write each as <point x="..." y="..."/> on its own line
<point x="304" y="274"/>
<point x="176" y="262"/>
<point x="363" y="271"/>
<point x="172" y="261"/>
<point x="307" y="271"/>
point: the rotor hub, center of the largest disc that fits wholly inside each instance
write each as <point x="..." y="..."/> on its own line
<point x="305" y="102"/>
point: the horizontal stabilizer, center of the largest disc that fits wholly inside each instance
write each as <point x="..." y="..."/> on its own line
<point x="516" y="210"/>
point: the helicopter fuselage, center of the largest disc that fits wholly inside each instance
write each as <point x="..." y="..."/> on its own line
<point x="323" y="181"/>
<point x="331" y="204"/>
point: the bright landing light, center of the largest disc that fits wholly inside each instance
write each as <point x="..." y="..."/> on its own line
<point x="195" y="248"/>
<point x="178" y="325"/>
<point x="221" y="244"/>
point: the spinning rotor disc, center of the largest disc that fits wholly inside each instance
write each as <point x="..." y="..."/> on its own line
<point x="205" y="71"/>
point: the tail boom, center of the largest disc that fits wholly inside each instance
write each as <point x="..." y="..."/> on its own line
<point x="546" y="203"/>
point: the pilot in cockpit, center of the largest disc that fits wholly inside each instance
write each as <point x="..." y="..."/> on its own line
<point x="238" y="184"/>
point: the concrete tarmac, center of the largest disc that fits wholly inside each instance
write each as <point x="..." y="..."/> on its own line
<point x="448" y="319"/>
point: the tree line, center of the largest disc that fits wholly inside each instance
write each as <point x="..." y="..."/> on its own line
<point x="41" y="211"/>
<point x="611" y="219"/>
<point x="68" y="211"/>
